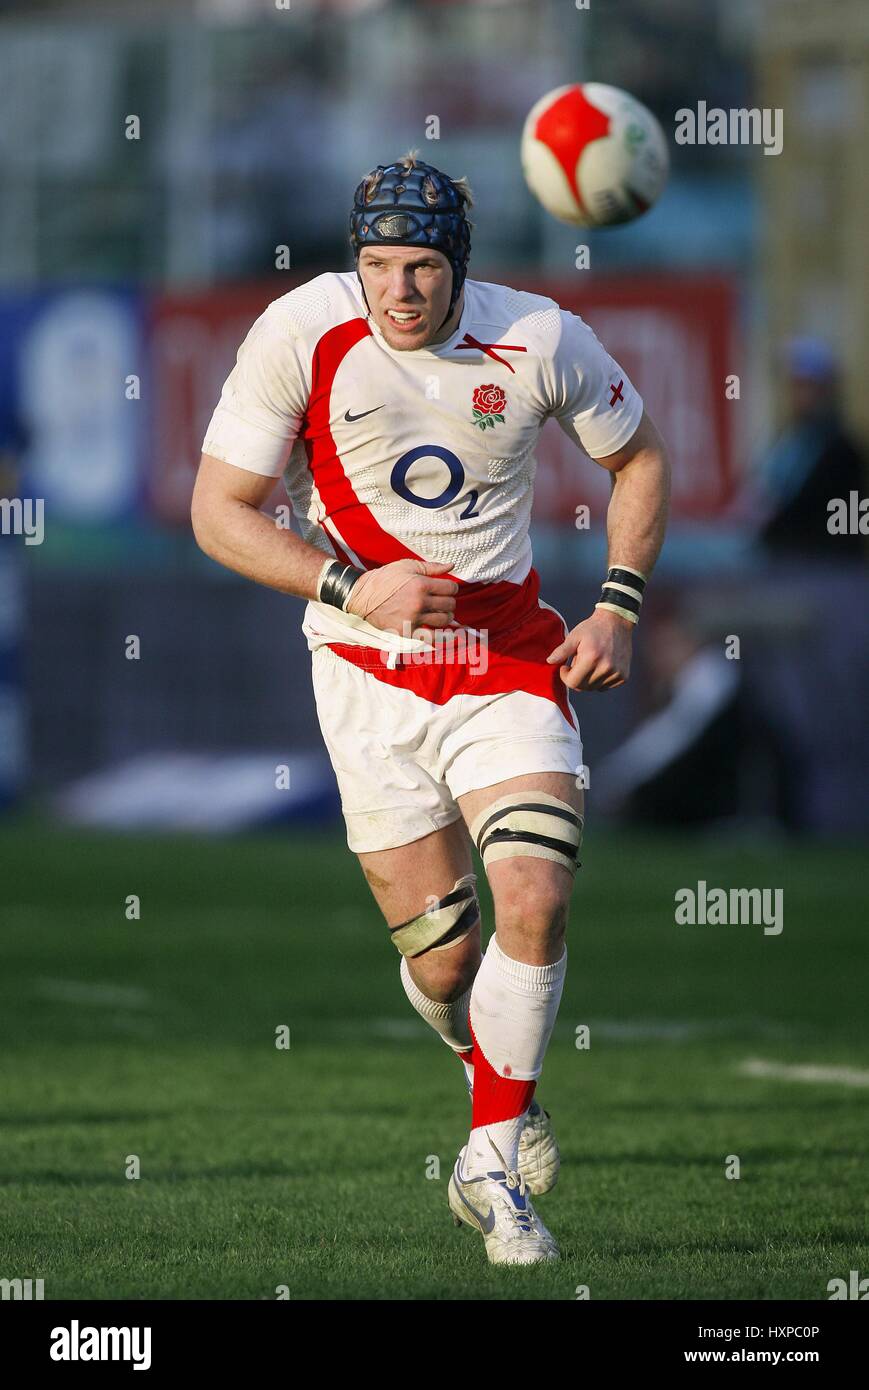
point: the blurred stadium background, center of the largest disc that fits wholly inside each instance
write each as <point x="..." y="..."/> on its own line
<point x="130" y="270"/>
<point x="150" y="257"/>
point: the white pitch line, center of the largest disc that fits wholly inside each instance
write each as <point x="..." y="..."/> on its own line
<point x="783" y="1071"/>
<point x="673" y="1029"/>
<point x="96" y="995"/>
<point x="411" y="1028"/>
<point x="402" y="1029"/>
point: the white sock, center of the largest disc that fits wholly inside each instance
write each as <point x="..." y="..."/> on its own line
<point x="450" y="1020"/>
<point x="513" y="1011"/>
<point x="493" y="1148"/>
<point x="469" y="1069"/>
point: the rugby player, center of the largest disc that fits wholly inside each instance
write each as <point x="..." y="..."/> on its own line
<point x="401" y="403"/>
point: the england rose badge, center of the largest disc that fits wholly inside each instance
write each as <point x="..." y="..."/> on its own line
<point x="489" y="403"/>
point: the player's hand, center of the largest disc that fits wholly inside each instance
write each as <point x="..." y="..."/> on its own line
<point x="596" y="655"/>
<point x="406" y="597"/>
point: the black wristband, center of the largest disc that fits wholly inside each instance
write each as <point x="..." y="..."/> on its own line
<point x="622" y="592"/>
<point x="337" y="583"/>
<point x="617" y="598"/>
<point x="632" y="578"/>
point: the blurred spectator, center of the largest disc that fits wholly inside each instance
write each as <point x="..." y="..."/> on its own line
<point x="701" y="756"/>
<point x="814" y="460"/>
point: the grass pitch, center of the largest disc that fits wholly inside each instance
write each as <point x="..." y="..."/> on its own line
<point x="307" y="1167"/>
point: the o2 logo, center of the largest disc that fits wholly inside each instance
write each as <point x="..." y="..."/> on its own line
<point x="398" y="480"/>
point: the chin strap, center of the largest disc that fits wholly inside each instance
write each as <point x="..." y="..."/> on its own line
<point x="451" y="309"/>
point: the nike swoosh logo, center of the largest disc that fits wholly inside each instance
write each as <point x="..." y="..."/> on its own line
<point x="487" y="1223"/>
<point x="350" y="418"/>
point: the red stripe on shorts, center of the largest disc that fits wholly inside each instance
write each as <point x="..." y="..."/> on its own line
<point x="514" y="657"/>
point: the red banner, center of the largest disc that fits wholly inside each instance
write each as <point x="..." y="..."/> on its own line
<point x="672" y="335"/>
<point x="674" y="338"/>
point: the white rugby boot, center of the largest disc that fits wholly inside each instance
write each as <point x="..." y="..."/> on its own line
<point x="539" y="1158"/>
<point x="498" y="1206"/>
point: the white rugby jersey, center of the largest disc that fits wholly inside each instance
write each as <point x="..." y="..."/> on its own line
<point x="426" y="454"/>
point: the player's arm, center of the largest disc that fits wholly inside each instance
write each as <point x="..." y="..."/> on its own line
<point x="231" y="528"/>
<point x="246" y="449"/>
<point x="598" y="408"/>
<point x="637" y="514"/>
<point x="596" y="655"/>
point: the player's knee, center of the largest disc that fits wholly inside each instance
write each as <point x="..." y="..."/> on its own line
<point x="529" y="842"/>
<point x="446" y="975"/>
<point x="442" y="925"/>
<point x="532" y="910"/>
<point x="530" y="825"/>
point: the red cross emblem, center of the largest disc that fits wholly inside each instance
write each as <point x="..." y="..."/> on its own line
<point x="470" y="341"/>
<point x="617" y="392"/>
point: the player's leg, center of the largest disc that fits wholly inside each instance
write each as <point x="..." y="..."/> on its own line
<point x="528" y="829"/>
<point x="532" y="890"/>
<point x="404" y="825"/>
<point x="426" y="891"/>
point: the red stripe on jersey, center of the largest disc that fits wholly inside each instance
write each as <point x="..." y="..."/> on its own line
<point x="478" y="604"/>
<point x="514" y="659"/>
<point x="496" y="605"/>
<point x="357" y="525"/>
<point x="339" y="549"/>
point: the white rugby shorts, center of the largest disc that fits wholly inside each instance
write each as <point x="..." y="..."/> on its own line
<point x="407" y="740"/>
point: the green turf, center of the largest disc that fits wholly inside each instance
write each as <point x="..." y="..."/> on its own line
<point x="307" y="1167"/>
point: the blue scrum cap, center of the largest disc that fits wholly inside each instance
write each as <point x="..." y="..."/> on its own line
<point x="410" y="203"/>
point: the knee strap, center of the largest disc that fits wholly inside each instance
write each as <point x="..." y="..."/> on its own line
<point x="531" y="823"/>
<point x="445" y="924"/>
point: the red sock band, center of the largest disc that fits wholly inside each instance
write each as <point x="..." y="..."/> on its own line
<point x="496" y="1097"/>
